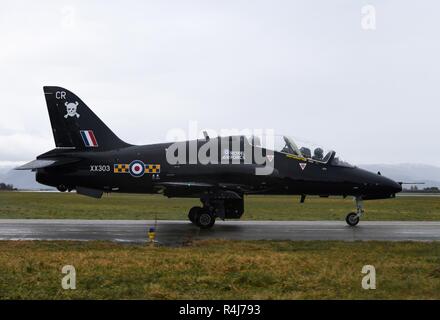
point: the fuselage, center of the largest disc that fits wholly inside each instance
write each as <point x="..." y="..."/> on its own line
<point x="109" y="171"/>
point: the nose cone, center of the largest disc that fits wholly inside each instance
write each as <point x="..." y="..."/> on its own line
<point x="392" y="186"/>
<point x="376" y="186"/>
<point x="384" y="188"/>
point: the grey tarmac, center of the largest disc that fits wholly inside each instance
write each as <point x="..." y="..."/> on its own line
<point x="180" y="232"/>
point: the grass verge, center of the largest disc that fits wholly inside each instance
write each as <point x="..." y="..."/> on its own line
<point x="220" y="270"/>
<point x="122" y="206"/>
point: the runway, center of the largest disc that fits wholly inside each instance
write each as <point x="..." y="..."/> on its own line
<point x="181" y="232"/>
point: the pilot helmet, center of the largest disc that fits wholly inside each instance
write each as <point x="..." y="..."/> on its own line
<point x="318" y="153"/>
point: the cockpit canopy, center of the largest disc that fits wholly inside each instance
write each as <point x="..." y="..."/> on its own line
<point x="300" y="148"/>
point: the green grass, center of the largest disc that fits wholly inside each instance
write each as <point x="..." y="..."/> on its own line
<point x="217" y="269"/>
<point x="119" y="206"/>
<point x="220" y="270"/>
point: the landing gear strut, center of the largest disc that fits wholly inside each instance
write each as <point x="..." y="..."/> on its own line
<point x="353" y="218"/>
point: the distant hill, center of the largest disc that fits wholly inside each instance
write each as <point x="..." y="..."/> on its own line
<point x="406" y="172"/>
<point x="23" y="179"/>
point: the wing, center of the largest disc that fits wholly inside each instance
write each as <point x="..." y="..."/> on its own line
<point x="197" y="189"/>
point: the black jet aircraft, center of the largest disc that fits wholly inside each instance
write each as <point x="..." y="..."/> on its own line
<point x="91" y="159"/>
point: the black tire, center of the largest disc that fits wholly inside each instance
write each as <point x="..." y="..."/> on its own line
<point x="193" y="213"/>
<point x="205" y="219"/>
<point x="352" y="219"/>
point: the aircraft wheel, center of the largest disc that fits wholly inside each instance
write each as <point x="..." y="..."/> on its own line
<point x="352" y="219"/>
<point x="193" y="213"/>
<point x="205" y="219"/>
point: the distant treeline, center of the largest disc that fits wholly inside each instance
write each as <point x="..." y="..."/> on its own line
<point x="424" y="190"/>
<point x="6" y="187"/>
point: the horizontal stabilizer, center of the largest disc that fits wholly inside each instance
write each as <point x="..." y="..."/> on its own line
<point x="40" y="163"/>
<point x="36" y="164"/>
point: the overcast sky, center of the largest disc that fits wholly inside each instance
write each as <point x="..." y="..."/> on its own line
<point x="304" y="68"/>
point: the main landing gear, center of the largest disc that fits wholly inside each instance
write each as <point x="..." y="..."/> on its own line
<point x="353" y="218"/>
<point x="223" y="205"/>
<point x="202" y="217"/>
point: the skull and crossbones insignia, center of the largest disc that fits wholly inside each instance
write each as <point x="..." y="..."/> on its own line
<point x="71" y="109"/>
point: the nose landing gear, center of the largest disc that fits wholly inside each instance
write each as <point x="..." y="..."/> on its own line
<point x="353" y="218"/>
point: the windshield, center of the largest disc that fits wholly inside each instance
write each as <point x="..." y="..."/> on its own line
<point x="298" y="147"/>
<point x="311" y="150"/>
<point x="278" y="143"/>
<point x="336" y="161"/>
<point x="290" y="146"/>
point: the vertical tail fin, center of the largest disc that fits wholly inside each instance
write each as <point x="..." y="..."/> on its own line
<point x="74" y="125"/>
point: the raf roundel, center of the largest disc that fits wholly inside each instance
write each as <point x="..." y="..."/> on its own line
<point x="137" y="168"/>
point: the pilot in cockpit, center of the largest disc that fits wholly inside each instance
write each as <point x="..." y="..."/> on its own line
<point x="318" y="154"/>
<point x="305" y="152"/>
